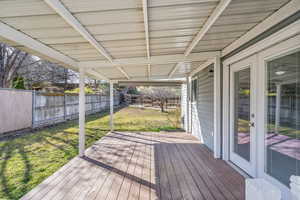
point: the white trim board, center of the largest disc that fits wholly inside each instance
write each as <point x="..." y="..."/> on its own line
<point x="287" y="32"/>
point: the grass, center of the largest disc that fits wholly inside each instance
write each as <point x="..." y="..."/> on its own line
<point x="27" y="160"/>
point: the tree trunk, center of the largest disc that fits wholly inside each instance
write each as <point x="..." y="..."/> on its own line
<point x="162" y="105"/>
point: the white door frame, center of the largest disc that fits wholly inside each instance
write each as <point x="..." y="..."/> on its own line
<point x="247" y="166"/>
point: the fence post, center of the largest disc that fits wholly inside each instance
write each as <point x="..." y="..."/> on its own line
<point x="65" y="109"/>
<point x="33" y="108"/>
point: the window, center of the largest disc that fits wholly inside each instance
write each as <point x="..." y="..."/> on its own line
<point x="282" y="141"/>
<point x="194" y="90"/>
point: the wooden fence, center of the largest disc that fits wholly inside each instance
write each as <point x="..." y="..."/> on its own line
<point x="51" y="108"/>
<point x="146" y="101"/>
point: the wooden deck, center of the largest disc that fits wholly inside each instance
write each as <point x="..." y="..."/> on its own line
<point x="143" y="166"/>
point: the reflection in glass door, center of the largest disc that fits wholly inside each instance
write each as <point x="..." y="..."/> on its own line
<point x="282" y="136"/>
<point x="241" y="133"/>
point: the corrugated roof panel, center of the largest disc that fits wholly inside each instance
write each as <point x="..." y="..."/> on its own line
<point x="175" y="19"/>
<point x="155" y="3"/>
<point x="132" y="54"/>
<point x="116" y="28"/>
<point x="167" y="51"/>
<point x="111" y="72"/>
<point x="157" y="70"/>
<point x="35" y="22"/>
<point x="110" y="17"/>
<point x="181" y="11"/>
<point x="15" y="8"/>
<point x="136" y="71"/>
<point x="100" y="5"/>
<point x="238" y="18"/>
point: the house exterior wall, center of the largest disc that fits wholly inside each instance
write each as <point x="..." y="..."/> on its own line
<point x="16" y="107"/>
<point x="203" y="108"/>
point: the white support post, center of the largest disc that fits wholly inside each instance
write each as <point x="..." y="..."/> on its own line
<point x="277" y="111"/>
<point x="188" y="104"/>
<point x="217" y="107"/>
<point x="81" y="113"/>
<point x="226" y="111"/>
<point x="111" y="96"/>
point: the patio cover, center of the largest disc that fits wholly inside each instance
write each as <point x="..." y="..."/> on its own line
<point x="136" y="40"/>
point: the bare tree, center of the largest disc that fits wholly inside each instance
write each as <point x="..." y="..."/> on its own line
<point x="11" y="60"/>
<point x="44" y="71"/>
<point x="162" y="94"/>
<point x="16" y="63"/>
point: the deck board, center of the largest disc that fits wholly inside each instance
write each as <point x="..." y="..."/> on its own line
<point x="143" y="166"/>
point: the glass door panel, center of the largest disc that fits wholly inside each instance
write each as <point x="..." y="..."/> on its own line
<point x="242" y="113"/>
<point x="282" y="138"/>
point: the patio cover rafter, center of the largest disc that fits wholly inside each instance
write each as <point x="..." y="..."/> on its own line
<point x="208" y="24"/>
<point x="174" y="69"/>
<point x="146" y="25"/>
<point x="43" y="50"/>
<point x="60" y="9"/>
<point x="92" y="72"/>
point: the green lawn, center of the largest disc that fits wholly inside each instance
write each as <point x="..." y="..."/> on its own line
<point x="27" y="160"/>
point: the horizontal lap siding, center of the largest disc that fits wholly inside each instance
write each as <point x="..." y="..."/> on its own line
<point x="203" y="108"/>
<point x="183" y="106"/>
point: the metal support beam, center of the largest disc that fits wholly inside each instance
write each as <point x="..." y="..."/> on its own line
<point x="111" y="100"/>
<point x="121" y="69"/>
<point x="146" y="25"/>
<point x="96" y="74"/>
<point x="70" y="19"/>
<point x="149" y="71"/>
<point x="174" y="69"/>
<point x="145" y="12"/>
<point x="81" y="112"/>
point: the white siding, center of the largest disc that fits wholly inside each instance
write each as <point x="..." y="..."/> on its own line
<point x="203" y="108"/>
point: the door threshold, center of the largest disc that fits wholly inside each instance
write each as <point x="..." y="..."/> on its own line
<point x="239" y="170"/>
